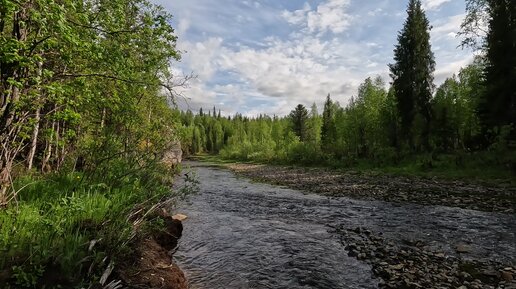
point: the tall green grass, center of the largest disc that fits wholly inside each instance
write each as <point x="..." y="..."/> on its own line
<point x="67" y="226"/>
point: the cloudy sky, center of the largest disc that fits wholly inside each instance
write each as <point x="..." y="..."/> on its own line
<point x="267" y="56"/>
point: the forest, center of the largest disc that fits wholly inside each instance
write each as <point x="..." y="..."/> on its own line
<point x="463" y="127"/>
<point x="86" y="97"/>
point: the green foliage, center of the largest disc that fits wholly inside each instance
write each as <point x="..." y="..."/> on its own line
<point x="367" y="133"/>
<point x="27" y="276"/>
<point x="454" y="105"/>
<point x="58" y="218"/>
<point x="412" y="77"/>
<point x="328" y="129"/>
<point x="85" y="123"/>
<point x="83" y="81"/>
<point x="497" y="106"/>
<point x="314" y="125"/>
<point x="359" y="129"/>
<point x="299" y="119"/>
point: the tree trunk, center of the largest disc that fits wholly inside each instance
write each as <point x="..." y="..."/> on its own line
<point x="35" y="131"/>
<point x="48" y="152"/>
<point x="34" y="140"/>
<point x="8" y="113"/>
<point x="4" y="184"/>
<point x="58" y="131"/>
<point x="61" y="156"/>
<point x="103" y="118"/>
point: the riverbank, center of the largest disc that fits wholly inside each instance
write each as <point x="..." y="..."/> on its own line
<point x="150" y="264"/>
<point x="69" y="230"/>
<point x="384" y="187"/>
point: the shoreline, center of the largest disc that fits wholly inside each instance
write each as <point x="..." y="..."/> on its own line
<point x="383" y="187"/>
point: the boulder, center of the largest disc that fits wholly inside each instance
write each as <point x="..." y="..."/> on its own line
<point x="174" y="155"/>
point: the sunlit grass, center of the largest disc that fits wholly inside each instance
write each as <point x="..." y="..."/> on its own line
<point x="56" y="221"/>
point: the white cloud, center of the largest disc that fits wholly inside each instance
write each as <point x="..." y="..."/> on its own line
<point x="450" y="68"/>
<point x="433" y="4"/>
<point x="196" y="95"/>
<point x="283" y="73"/>
<point x="183" y="25"/>
<point x="330" y="15"/>
<point x="447" y="27"/>
<point x="297" y="17"/>
<point x="201" y="56"/>
<point x="270" y="66"/>
<point x="375" y="12"/>
<point x="291" y="71"/>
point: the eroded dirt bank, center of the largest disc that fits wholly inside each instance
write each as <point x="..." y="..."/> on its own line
<point x="385" y="187"/>
<point x="150" y="265"/>
<point x="242" y="234"/>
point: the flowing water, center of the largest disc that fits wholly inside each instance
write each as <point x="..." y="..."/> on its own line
<point x="240" y="234"/>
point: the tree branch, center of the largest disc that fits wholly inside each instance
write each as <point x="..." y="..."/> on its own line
<point x="169" y="85"/>
<point x="106" y="31"/>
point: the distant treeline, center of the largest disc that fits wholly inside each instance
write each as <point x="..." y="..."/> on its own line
<point x="472" y="112"/>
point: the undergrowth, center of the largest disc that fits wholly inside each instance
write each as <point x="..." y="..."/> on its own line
<point x="66" y="229"/>
<point x="491" y="167"/>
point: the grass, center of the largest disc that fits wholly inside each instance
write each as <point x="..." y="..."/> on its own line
<point x="65" y="229"/>
<point x="484" y="167"/>
<point x="477" y="168"/>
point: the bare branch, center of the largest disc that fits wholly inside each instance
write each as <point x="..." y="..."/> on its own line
<point x="170" y="84"/>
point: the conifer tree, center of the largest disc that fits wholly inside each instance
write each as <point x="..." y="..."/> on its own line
<point x="412" y="74"/>
<point x="299" y="117"/>
<point x="497" y="107"/>
<point x="328" y="130"/>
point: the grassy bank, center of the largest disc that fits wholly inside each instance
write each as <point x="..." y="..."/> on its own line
<point x="66" y="229"/>
<point x="482" y="167"/>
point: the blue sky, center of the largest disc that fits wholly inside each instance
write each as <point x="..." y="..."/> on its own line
<point x="267" y="56"/>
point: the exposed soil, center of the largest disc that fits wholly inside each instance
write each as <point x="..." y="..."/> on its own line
<point x="151" y="264"/>
<point x="385" y="187"/>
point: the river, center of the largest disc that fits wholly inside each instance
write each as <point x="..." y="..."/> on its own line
<point x="240" y="234"/>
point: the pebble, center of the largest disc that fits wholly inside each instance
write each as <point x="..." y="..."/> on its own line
<point x="413" y="265"/>
<point x="507" y="276"/>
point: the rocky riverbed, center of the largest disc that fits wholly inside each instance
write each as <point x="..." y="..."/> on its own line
<point x="414" y="264"/>
<point x="245" y="234"/>
<point x="370" y="186"/>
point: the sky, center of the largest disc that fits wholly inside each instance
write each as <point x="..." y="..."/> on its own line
<point x="267" y="56"/>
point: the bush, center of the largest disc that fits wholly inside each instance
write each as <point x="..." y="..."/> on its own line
<point x="305" y="154"/>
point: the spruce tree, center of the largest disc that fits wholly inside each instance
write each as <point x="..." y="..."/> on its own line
<point x="328" y="130"/>
<point x="412" y="74"/>
<point x="497" y="107"/>
<point x="299" y="117"/>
